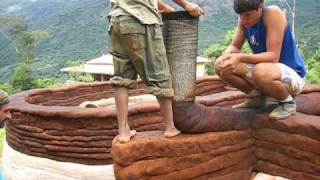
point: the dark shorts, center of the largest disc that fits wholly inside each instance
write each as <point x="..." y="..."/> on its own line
<point x="138" y="49"/>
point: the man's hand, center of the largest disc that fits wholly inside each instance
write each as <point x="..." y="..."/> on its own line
<point x="229" y="61"/>
<point x="193" y="9"/>
<point x="220" y="61"/>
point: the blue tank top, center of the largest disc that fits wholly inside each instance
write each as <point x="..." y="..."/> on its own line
<point x="257" y="39"/>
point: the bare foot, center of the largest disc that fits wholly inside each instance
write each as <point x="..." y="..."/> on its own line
<point x="126" y="137"/>
<point x="171" y="133"/>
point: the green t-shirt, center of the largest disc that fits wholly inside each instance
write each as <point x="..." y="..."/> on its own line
<point x="146" y="11"/>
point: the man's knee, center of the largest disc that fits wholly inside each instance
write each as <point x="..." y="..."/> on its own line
<point x="266" y="72"/>
<point x="260" y="73"/>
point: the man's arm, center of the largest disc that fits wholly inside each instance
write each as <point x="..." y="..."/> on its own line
<point x="276" y="23"/>
<point x="237" y="41"/>
<point x="164" y="8"/>
<point x="192" y="8"/>
<point x="234" y="47"/>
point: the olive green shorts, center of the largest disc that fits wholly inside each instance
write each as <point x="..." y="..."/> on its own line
<point x="138" y="49"/>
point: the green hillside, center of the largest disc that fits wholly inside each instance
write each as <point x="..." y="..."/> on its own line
<point x="77" y="30"/>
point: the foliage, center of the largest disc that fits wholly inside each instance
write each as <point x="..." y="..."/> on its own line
<point x="209" y="69"/>
<point x="38" y="83"/>
<point x="23" y="78"/>
<point x="8" y="88"/>
<point x="79" y="77"/>
<point x="217" y="49"/>
<point x="313" y="76"/>
<point x="2" y="137"/>
<point x="76" y="76"/>
<point x="49" y="83"/>
<point x="313" y="65"/>
<point x="24" y="41"/>
<point x="214" y="51"/>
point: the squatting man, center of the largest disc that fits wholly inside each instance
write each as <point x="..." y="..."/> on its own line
<point x="275" y="69"/>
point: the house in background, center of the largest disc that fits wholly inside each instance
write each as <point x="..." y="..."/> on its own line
<point x="201" y="63"/>
<point x="101" y="69"/>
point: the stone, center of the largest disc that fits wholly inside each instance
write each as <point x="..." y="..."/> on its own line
<point x="266" y="167"/>
<point x="153" y="144"/>
<point x="290" y="151"/>
<point x="294" y="140"/>
<point x="151" y="156"/>
<point x="287" y="162"/>
<point x="305" y="125"/>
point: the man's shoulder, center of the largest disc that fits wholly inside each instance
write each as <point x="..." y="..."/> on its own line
<point x="274" y="13"/>
<point x="274" y="10"/>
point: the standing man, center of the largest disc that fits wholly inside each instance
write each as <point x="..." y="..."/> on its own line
<point x="4" y="107"/>
<point x="137" y="46"/>
<point x="275" y="69"/>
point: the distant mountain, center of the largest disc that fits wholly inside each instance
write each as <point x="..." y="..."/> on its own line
<point x="77" y="29"/>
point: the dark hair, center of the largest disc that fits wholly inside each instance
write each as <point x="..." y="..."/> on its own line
<point x="241" y="6"/>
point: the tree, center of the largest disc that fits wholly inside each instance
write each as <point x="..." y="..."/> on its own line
<point x="214" y="51"/>
<point x="16" y="29"/>
<point x="217" y="49"/>
<point x="292" y="12"/>
<point x="8" y="88"/>
<point x="24" y="40"/>
<point x="22" y="78"/>
<point x="313" y="65"/>
<point x="49" y="83"/>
